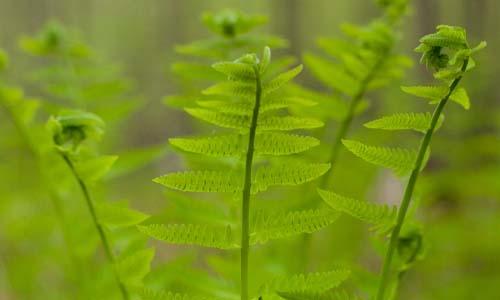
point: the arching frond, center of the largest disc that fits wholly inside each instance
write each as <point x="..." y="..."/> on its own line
<point x="236" y="71"/>
<point x="232" y="88"/>
<point x="231" y="145"/>
<point x="202" y="181"/>
<point x="275" y="143"/>
<point x="398" y="159"/>
<point x="281" y="79"/>
<point x="286" y="224"/>
<point x="288" y="123"/>
<point x="220" y="119"/>
<point x="382" y="216"/>
<point x="290" y="174"/>
<point x="189" y="234"/>
<point x="405" y="121"/>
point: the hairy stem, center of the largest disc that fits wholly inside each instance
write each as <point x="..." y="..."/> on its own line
<point x="345" y="125"/>
<point x="405" y="203"/>
<point x="104" y="240"/>
<point x="245" y="222"/>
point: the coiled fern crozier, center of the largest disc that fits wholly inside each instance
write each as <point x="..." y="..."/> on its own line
<point x="250" y="105"/>
<point x="448" y="52"/>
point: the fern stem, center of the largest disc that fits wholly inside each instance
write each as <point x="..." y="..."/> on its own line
<point x="245" y="221"/>
<point x="104" y="240"/>
<point x="405" y="203"/>
<point x="345" y="125"/>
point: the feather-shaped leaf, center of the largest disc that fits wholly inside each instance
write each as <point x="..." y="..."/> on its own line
<point x="202" y="181"/>
<point x="461" y="97"/>
<point x="189" y="234"/>
<point x="220" y="119"/>
<point x="133" y="268"/>
<point x="232" y="88"/>
<point x="275" y="143"/>
<point x="401" y="160"/>
<point x="312" y="283"/>
<point x="289" y="174"/>
<point x="288" y="123"/>
<point x="331" y="74"/>
<point x="436" y="93"/>
<point x="382" y="216"/>
<point x="405" y="121"/>
<point x="452" y="37"/>
<point x="236" y="71"/>
<point x="286" y="224"/>
<point x="281" y="79"/>
<point x="112" y="214"/>
<point x="216" y="146"/>
<point x="333" y="295"/>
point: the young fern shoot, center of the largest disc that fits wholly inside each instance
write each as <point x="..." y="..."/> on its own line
<point x="448" y="52"/>
<point x="248" y="103"/>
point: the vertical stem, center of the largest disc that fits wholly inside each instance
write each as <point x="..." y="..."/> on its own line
<point x="245" y="222"/>
<point x="107" y="249"/>
<point x="405" y="203"/>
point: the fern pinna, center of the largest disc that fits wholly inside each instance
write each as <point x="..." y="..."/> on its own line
<point x="363" y="63"/>
<point x="448" y="52"/>
<point x="250" y="104"/>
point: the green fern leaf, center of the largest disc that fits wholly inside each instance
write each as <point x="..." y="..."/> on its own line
<point x="189" y="234"/>
<point x="220" y="119"/>
<point x="334" y="295"/>
<point x="405" y="121"/>
<point x="461" y="97"/>
<point x="275" y="143"/>
<point x="281" y="79"/>
<point x="236" y="71"/>
<point x="147" y="294"/>
<point x="310" y="283"/>
<point x="118" y="215"/>
<point x="382" y="216"/>
<point x="401" y="160"/>
<point x="232" y="88"/>
<point x="452" y="37"/>
<point x="202" y="181"/>
<point x="289" y="174"/>
<point x="436" y="93"/>
<point x="133" y="268"/>
<point x="287" y="123"/>
<point x="216" y="146"/>
<point x="285" y="224"/>
<point x="331" y="74"/>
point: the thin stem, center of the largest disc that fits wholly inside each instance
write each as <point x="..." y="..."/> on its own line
<point x="245" y="222"/>
<point x="405" y="203"/>
<point x="345" y="125"/>
<point x="107" y="249"/>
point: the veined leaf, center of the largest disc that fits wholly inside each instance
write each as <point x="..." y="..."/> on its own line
<point x="133" y="268"/>
<point x="281" y="79"/>
<point x="236" y="71"/>
<point x="401" y="160"/>
<point x="312" y="282"/>
<point x="331" y="74"/>
<point x="287" y="123"/>
<point x="202" y="181"/>
<point x="461" y="97"/>
<point x="288" y="224"/>
<point x="275" y="143"/>
<point x="436" y="93"/>
<point x="220" y="119"/>
<point x="188" y="234"/>
<point x="216" y="146"/>
<point x="334" y="295"/>
<point x="112" y="214"/>
<point x="382" y="216"/>
<point x="447" y="37"/>
<point x="232" y="88"/>
<point x="405" y="121"/>
<point x="290" y="174"/>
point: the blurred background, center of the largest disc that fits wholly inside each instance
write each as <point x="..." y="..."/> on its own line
<point x="459" y="191"/>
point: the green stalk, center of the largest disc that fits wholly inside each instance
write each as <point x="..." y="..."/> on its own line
<point x="405" y="203"/>
<point x="245" y="221"/>
<point x="107" y="249"/>
<point x="346" y="123"/>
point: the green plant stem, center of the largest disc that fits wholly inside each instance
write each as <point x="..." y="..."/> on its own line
<point x="104" y="240"/>
<point x="346" y="123"/>
<point x="245" y="220"/>
<point x="405" y="203"/>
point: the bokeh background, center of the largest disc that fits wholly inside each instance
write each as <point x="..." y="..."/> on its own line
<point x="460" y="190"/>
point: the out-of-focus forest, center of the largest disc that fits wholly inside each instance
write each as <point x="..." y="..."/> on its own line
<point x="459" y="192"/>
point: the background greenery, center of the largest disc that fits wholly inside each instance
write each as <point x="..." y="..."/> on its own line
<point x="459" y="191"/>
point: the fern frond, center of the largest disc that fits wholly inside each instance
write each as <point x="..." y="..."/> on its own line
<point x="288" y="224"/>
<point x="275" y="143"/>
<point x="452" y="37"/>
<point x="133" y="268"/>
<point x="189" y="234"/>
<point x="436" y="93"/>
<point x="147" y="294"/>
<point x="202" y="181"/>
<point x="405" y="121"/>
<point x="331" y="74"/>
<point x="232" y="88"/>
<point x="382" y="216"/>
<point x="217" y="146"/>
<point x="281" y="79"/>
<point x="220" y="119"/>
<point x="461" y="97"/>
<point x="288" y="123"/>
<point x="401" y="160"/>
<point x="334" y="295"/>
<point x="236" y="71"/>
<point x="290" y="174"/>
<point x="310" y="283"/>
